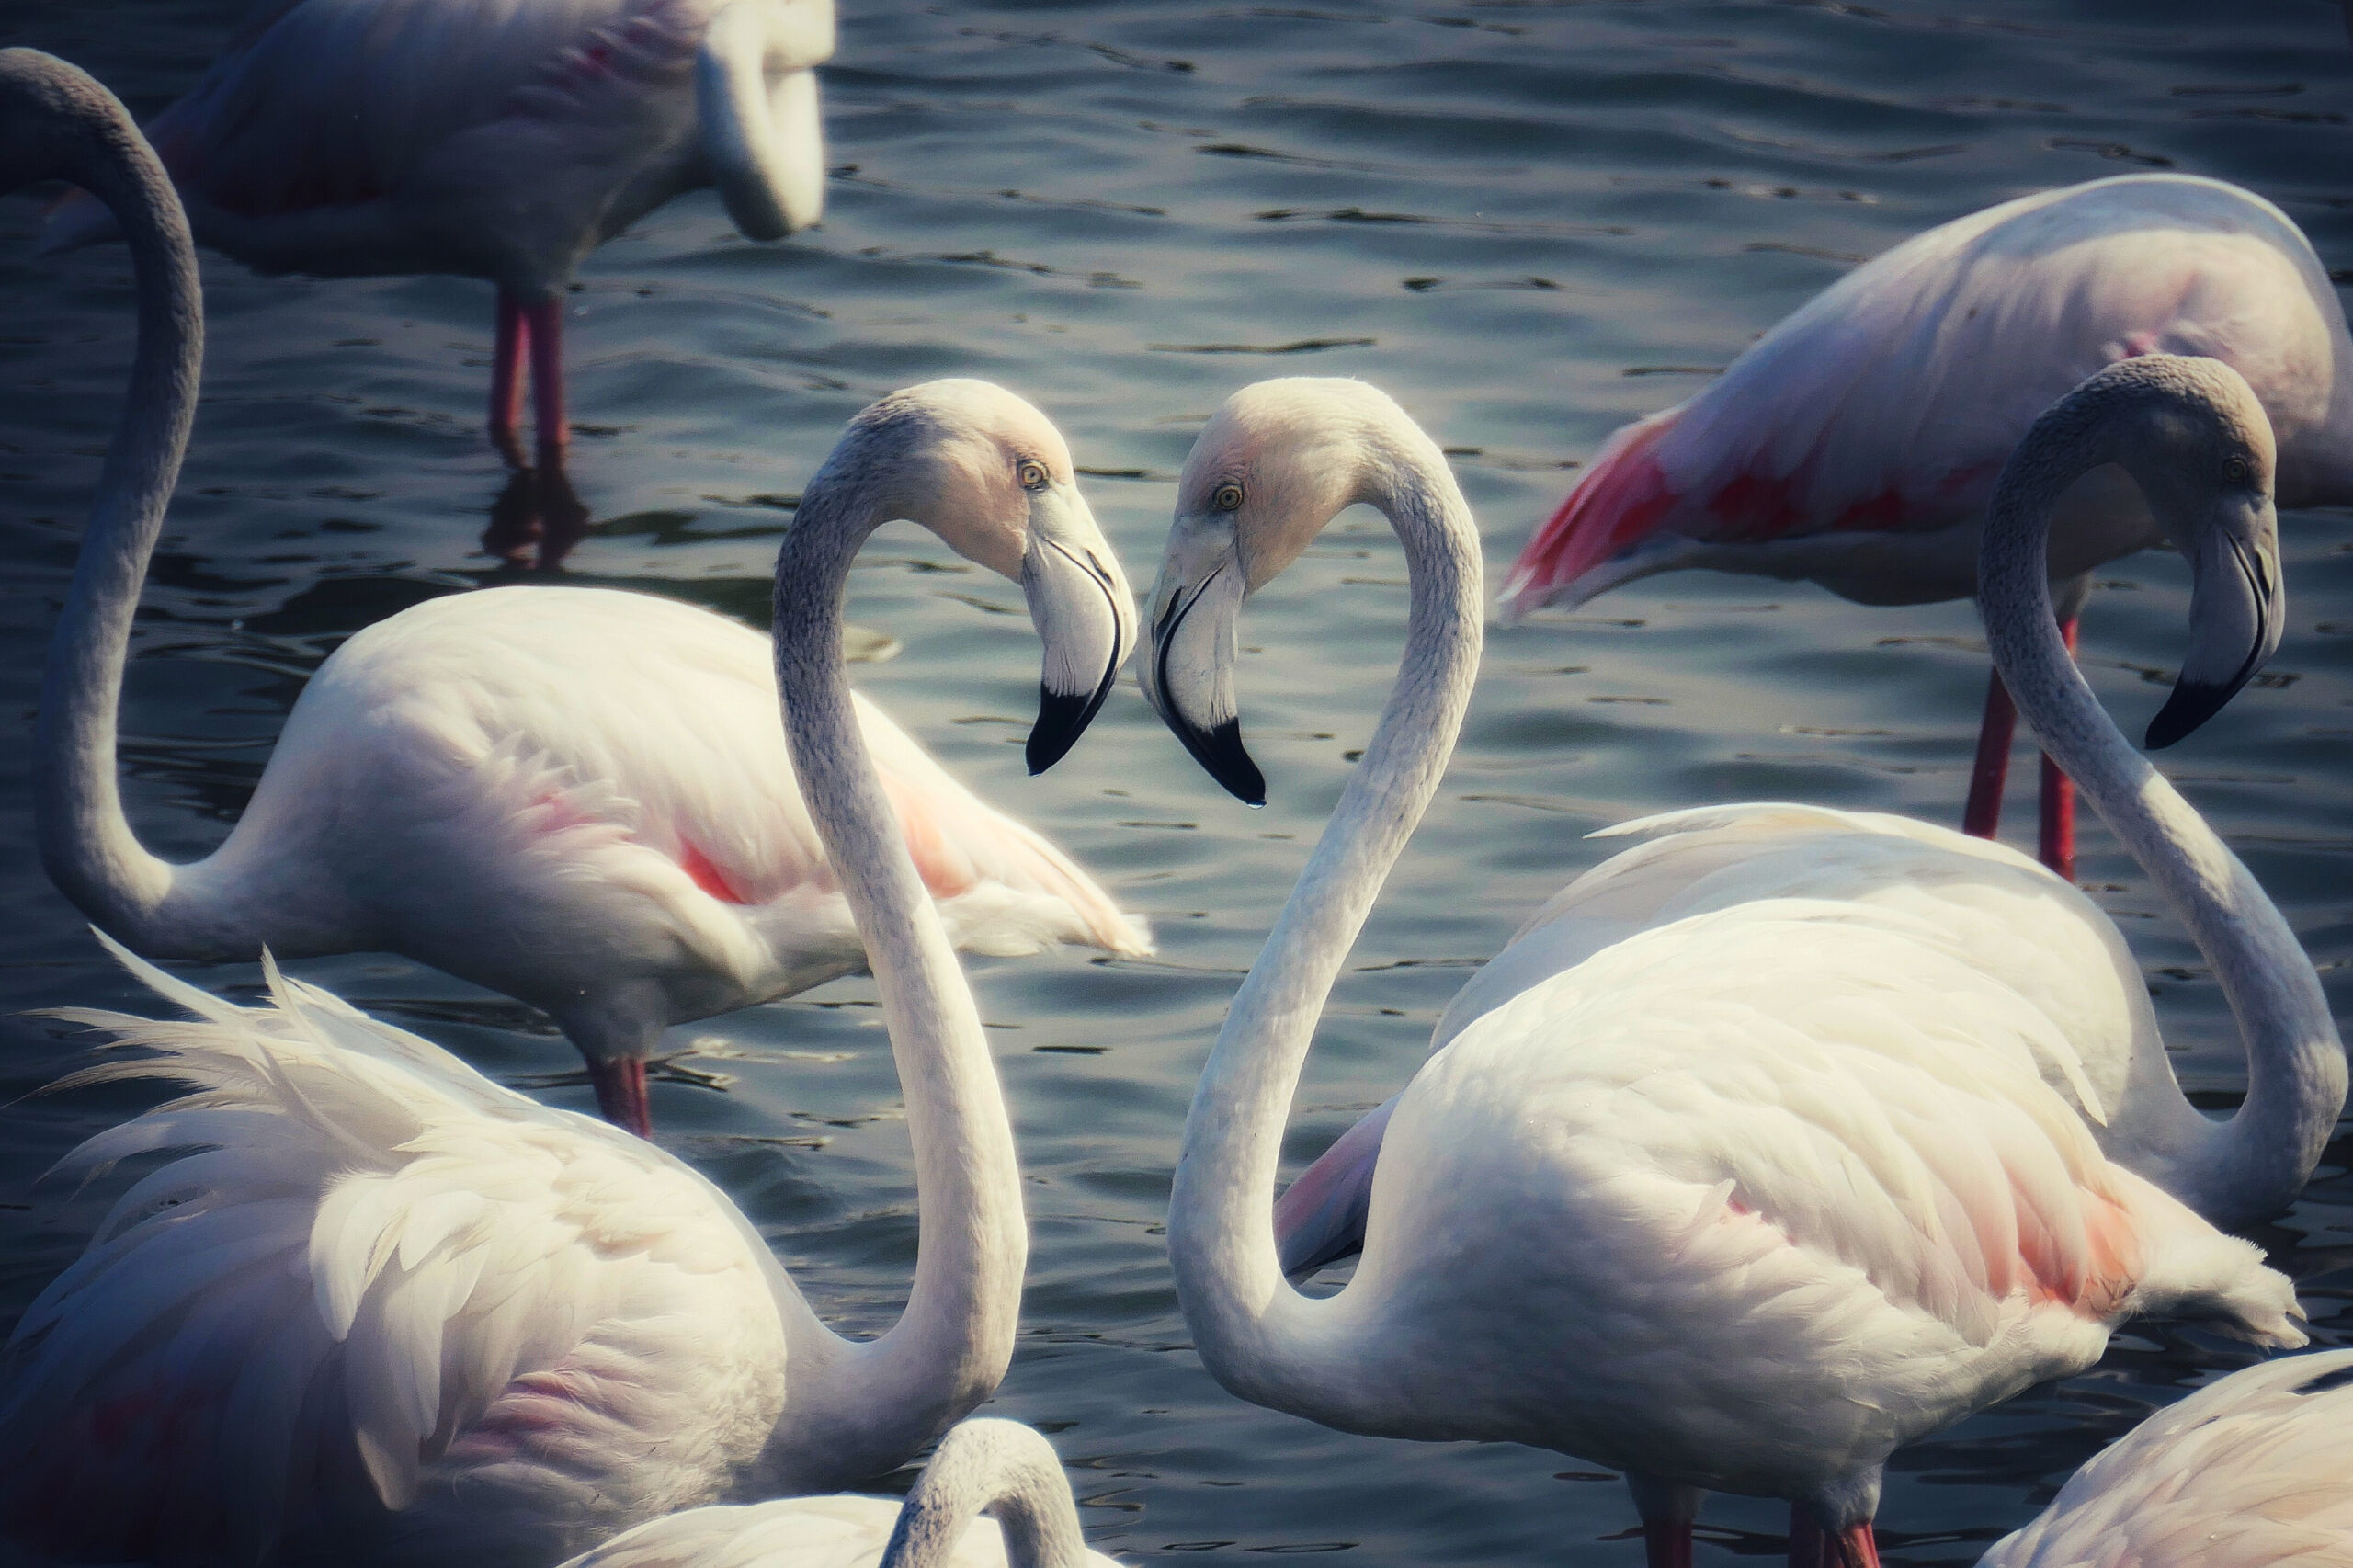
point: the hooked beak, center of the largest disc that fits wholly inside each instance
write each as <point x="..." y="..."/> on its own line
<point x="1086" y="613"/>
<point x="1188" y="677"/>
<point x="2238" y="607"/>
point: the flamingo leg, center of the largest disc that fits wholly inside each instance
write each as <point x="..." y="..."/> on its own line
<point x="545" y="318"/>
<point x="1668" y="1508"/>
<point x="513" y="341"/>
<point x="2056" y="847"/>
<point x="1809" y="1548"/>
<point x="1982" y="816"/>
<point x="620" y="1092"/>
<point x="1855" y="1547"/>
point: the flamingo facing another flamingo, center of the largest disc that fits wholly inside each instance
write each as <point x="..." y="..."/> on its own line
<point x="578" y="797"/>
<point x="999" y="1465"/>
<point x="495" y="139"/>
<point x="2253" y="1471"/>
<point x="1747" y="1199"/>
<point x="390" y="1311"/>
<point x="1857" y="443"/>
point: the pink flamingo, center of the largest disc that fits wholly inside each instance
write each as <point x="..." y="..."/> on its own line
<point x="1857" y="443"/>
<point x="495" y="139"/>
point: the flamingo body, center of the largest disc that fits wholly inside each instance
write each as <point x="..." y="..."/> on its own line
<point x="2253" y="1471"/>
<point x="385" y="1310"/>
<point x="1856" y="444"/>
<point x="581" y="797"/>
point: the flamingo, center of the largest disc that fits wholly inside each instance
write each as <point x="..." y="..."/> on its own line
<point x="576" y="796"/>
<point x="495" y="139"/>
<point x="2253" y="1471"/>
<point x="1745" y="1199"/>
<point x="1857" y="443"/>
<point x="389" y="1311"/>
<point x="982" y="1463"/>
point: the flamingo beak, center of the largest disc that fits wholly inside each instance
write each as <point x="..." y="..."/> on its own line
<point x="1188" y="677"/>
<point x="2238" y="607"/>
<point x="1085" y="612"/>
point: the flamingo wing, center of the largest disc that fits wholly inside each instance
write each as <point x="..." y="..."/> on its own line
<point x="788" y="1533"/>
<point x="370" y="1279"/>
<point x="2247" y="1473"/>
<point x="1889" y="403"/>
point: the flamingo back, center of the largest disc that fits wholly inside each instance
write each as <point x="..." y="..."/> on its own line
<point x="1888" y="404"/>
<point x="371" y="1302"/>
<point x="2253" y="1471"/>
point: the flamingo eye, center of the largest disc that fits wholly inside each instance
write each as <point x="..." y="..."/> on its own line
<point x="1032" y="473"/>
<point x="2237" y="471"/>
<point x="1226" y="498"/>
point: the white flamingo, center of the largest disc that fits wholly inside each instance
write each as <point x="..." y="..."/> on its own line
<point x="495" y="139"/>
<point x="1744" y="1201"/>
<point x="1856" y="444"/>
<point x="392" y="1311"/>
<point x="999" y="1465"/>
<point x="576" y="796"/>
<point x="2253" y="1471"/>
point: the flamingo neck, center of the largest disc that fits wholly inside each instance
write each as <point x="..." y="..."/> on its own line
<point x="1257" y="1335"/>
<point x="86" y="843"/>
<point x="2252" y="1166"/>
<point x="1002" y="1466"/>
<point x="863" y="1408"/>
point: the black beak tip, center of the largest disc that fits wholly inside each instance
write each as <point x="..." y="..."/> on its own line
<point x="1063" y="717"/>
<point x="2191" y="704"/>
<point x="1221" y="752"/>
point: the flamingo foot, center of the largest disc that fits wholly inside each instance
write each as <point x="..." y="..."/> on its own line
<point x="512" y="343"/>
<point x="1982" y="816"/>
<point x="622" y="1095"/>
<point x="546" y="320"/>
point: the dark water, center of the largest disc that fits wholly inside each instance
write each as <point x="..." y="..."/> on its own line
<point x="1528" y="222"/>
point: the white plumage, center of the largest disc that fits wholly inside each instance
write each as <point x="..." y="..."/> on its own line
<point x="2253" y="1471"/>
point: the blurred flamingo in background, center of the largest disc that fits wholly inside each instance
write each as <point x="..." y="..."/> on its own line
<point x="578" y="797"/>
<point x="495" y="139"/>
<point x="1856" y="444"/>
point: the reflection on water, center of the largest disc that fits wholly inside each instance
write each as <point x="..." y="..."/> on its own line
<point x="1530" y="222"/>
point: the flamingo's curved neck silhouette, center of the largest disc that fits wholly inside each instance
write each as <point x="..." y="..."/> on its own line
<point x="2252" y="1166"/>
<point x="1257" y="1335"/>
<point x="86" y="843"/>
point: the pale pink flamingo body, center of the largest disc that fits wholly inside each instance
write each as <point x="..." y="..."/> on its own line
<point x="2253" y="1471"/>
<point x="576" y="796"/>
<point x="1745" y="1196"/>
<point x="1856" y="444"/>
<point x="494" y="139"/>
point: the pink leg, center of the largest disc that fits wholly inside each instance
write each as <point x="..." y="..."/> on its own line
<point x="2057" y="845"/>
<point x="620" y="1092"/>
<point x="1982" y="817"/>
<point x="513" y="342"/>
<point x="1666" y="1543"/>
<point x="1856" y="1546"/>
<point x="1809" y="1548"/>
<point x="546" y="319"/>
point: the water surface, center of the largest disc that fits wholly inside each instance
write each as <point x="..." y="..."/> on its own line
<point x="1528" y="222"/>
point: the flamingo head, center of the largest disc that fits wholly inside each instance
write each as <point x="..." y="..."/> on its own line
<point x="1276" y="463"/>
<point x="992" y="477"/>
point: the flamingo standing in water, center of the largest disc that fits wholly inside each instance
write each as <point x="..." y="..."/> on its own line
<point x="390" y="1311"/>
<point x="579" y="797"/>
<point x="495" y="139"/>
<point x="2253" y="1471"/>
<point x="1750" y="1198"/>
<point x="1857" y="443"/>
<point x="999" y="1465"/>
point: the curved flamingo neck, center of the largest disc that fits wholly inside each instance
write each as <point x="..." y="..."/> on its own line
<point x="1256" y="1334"/>
<point x="86" y="843"/>
<point x="2251" y="1167"/>
<point x="999" y="1465"/>
<point x="868" y="1406"/>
